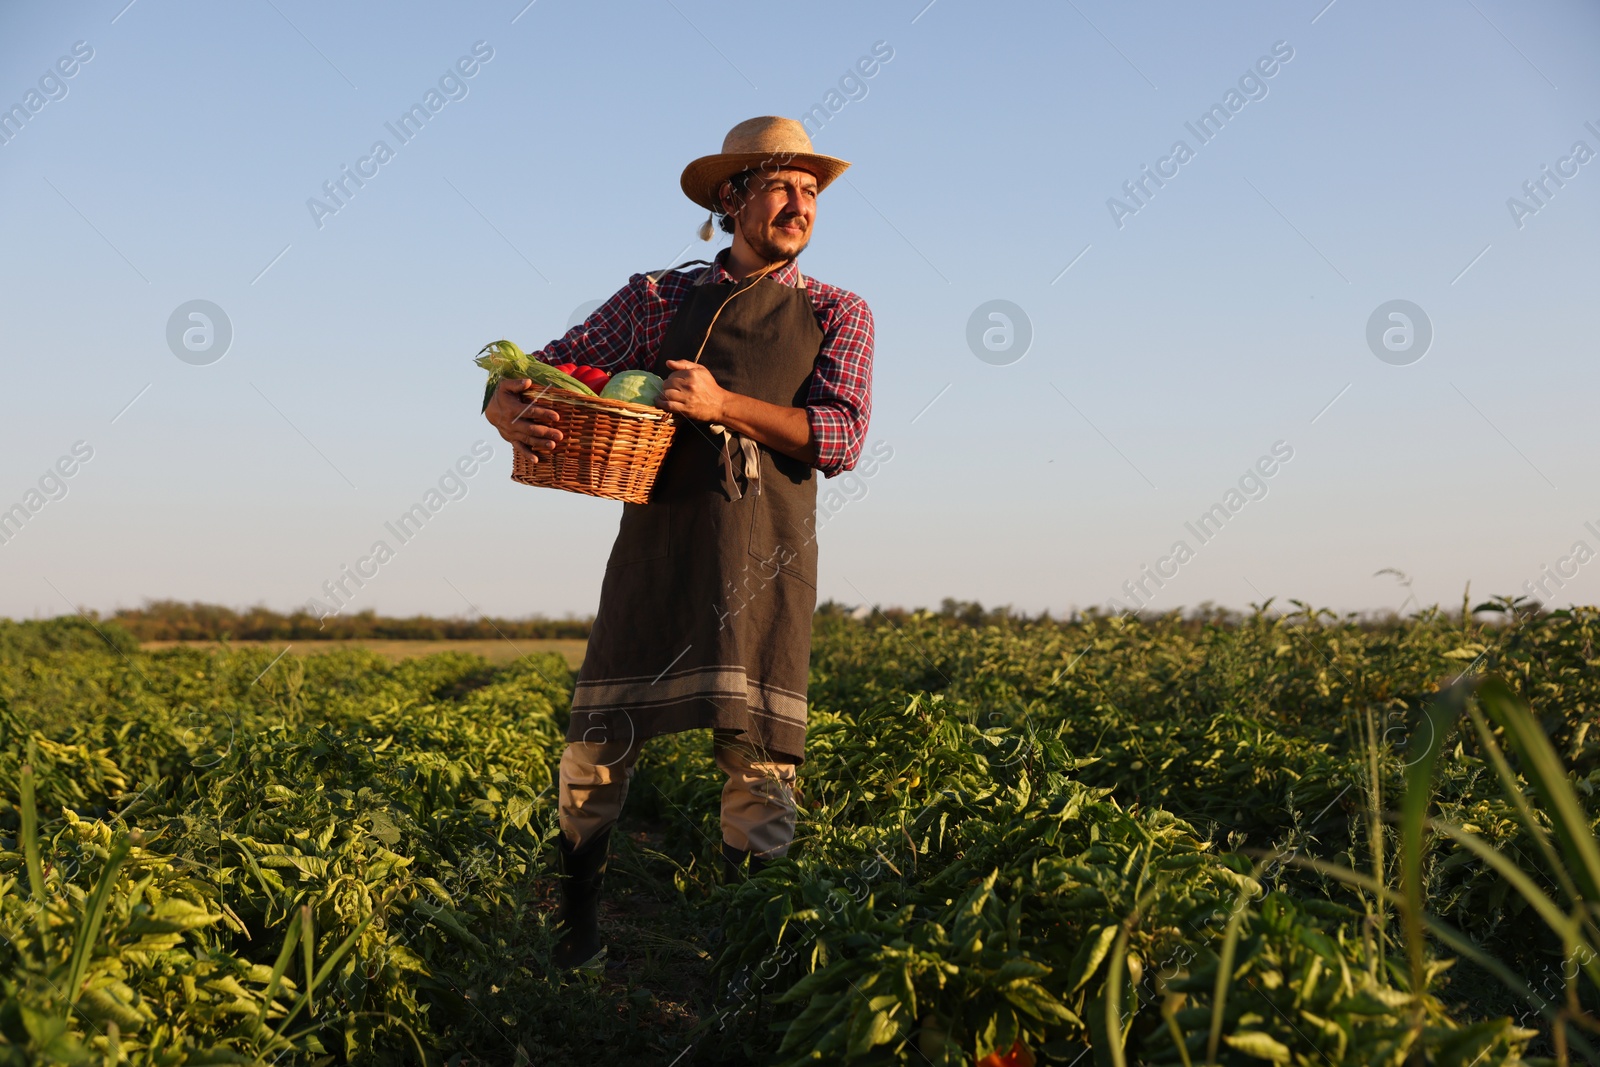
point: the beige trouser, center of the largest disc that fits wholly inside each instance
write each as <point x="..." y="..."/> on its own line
<point x="758" y="811"/>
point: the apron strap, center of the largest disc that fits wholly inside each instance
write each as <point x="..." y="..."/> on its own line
<point x="741" y="289"/>
<point x="656" y="276"/>
<point x="750" y="453"/>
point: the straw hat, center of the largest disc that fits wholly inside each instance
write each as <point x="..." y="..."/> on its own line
<point x="768" y="142"/>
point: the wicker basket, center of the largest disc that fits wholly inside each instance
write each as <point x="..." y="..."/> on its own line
<point x="608" y="448"/>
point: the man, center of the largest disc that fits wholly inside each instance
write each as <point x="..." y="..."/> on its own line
<point x="705" y="609"/>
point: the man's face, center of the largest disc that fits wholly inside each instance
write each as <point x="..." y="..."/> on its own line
<point x="778" y="212"/>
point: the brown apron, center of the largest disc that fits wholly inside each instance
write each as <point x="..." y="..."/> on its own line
<point x="706" y="606"/>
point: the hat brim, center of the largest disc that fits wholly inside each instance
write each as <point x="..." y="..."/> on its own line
<point x="702" y="177"/>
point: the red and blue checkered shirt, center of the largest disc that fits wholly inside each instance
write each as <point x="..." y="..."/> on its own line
<point x="625" y="333"/>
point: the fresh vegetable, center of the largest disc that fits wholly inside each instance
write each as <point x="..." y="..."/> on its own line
<point x="1019" y="1056"/>
<point x="503" y="359"/>
<point x="406" y="797"/>
<point x="593" y="377"/>
<point x="634" y="386"/>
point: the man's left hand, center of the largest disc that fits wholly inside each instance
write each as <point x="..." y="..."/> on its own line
<point x="692" y="392"/>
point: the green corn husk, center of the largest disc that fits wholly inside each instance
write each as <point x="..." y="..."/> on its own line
<point x="503" y="359"/>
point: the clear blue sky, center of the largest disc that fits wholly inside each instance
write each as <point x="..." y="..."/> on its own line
<point x="1222" y="317"/>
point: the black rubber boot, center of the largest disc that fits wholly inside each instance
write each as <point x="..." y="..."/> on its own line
<point x="578" y="918"/>
<point x="733" y="863"/>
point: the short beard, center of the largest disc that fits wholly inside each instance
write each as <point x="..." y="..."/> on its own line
<point x="770" y="251"/>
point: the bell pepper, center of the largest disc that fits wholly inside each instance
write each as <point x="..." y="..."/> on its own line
<point x="1019" y="1056"/>
<point x="593" y="377"/>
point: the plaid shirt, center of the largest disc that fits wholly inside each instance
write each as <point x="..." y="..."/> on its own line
<point x="625" y="333"/>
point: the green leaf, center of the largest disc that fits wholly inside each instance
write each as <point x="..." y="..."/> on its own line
<point x="1468" y="1045"/>
<point x="870" y="1028"/>
<point x="519" y="812"/>
<point x="1259" y="1045"/>
<point x="1090" y="955"/>
<point x="1036" y="1001"/>
<point x="450" y="920"/>
<point x="1318" y="942"/>
<point x="776" y="917"/>
<point x="172" y="915"/>
<point x="384" y="828"/>
<point x="101" y="1004"/>
<point x="820" y="1013"/>
<point x="1020" y="967"/>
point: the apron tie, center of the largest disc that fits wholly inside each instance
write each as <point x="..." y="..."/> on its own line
<point x="751" y="454"/>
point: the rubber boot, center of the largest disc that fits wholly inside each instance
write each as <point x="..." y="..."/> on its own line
<point x="733" y="863"/>
<point x="578" y="918"/>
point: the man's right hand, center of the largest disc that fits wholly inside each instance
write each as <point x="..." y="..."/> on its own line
<point x="523" y="423"/>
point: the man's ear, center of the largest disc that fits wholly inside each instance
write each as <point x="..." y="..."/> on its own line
<point x="728" y="198"/>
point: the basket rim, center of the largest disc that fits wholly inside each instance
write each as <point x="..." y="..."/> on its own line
<point x="604" y="403"/>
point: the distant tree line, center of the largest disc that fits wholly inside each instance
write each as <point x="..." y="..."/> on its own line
<point x="172" y="620"/>
<point x="971" y="613"/>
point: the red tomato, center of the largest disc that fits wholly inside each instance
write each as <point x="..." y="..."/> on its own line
<point x="566" y="368"/>
<point x="1019" y="1056"/>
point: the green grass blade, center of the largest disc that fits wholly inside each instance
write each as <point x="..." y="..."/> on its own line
<point x="1422" y="757"/>
<point x="281" y="965"/>
<point x="1169" y="1010"/>
<point x="308" y="948"/>
<point x="327" y="968"/>
<point x="1559" y="921"/>
<point x="94" y="915"/>
<point x="1451" y="937"/>
<point x="30" y="852"/>
<point x="1513" y="791"/>
<point x="1113" y="999"/>
<point x="1459" y="944"/>
<point x="1548" y="910"/>
<point x="1544" y="769"/>
<point x="1364" y="882"/>
<point x="1219" y="993"/>
<point x="1375" y="841"/>
<point x="416" y="1041"/>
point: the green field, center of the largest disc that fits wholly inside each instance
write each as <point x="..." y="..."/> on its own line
<point x="1111" y="841"/>
<point x="497" y="650"/>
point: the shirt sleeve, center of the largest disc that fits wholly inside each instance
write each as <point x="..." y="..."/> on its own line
<point x="613" y="337"/>
<point x="839" y="402"/>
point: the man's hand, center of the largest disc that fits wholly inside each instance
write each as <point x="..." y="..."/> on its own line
<point x="691" y="391"/>
<point x="522" y="422"/>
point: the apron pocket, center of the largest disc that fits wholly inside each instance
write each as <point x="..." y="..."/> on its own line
<point x="645" y="534"/>
<point x="779" y="546"/>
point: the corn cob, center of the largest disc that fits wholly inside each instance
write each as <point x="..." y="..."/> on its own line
<point x="503" y="359"/>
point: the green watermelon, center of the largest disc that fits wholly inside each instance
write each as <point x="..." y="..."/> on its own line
<point x="634" y="386"/>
